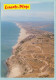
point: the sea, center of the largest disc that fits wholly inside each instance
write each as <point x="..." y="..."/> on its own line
<point x="9" y="37"/>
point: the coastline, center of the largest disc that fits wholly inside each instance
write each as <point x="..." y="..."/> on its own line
<point x="22" y="35"/>
<point x="17" y="69"/>
<point x="25" y="56"/>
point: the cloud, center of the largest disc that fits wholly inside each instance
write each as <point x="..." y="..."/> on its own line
<point x="30" y="2"/>
<point x="34" y="2"/>
<point x="22" y="13"/>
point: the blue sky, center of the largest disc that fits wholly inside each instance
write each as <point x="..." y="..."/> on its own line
<point x="40" y="11"/>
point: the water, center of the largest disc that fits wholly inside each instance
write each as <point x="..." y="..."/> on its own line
<point x="9" y="36"/>
<point x="50" y="28"/>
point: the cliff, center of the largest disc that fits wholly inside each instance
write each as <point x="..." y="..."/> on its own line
<point x="33" y="56"/>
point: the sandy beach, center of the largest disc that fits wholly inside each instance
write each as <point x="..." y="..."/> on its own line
<point x="17" y="70"/>
<point x="22" y="35"/>
<point x="34" y="57"/>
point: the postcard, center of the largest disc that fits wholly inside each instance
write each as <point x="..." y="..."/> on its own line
<point x="28" y="42"/>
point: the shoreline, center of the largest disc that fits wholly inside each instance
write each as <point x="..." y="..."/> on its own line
<point x="22" y="35"/>
<point x="19" y="63"/>
<point x="18" y="69"/>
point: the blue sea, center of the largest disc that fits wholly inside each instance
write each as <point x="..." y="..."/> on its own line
<point x="9" y="36"/>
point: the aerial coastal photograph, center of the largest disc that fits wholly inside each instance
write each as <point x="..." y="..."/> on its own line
<point x="27" y="40"/>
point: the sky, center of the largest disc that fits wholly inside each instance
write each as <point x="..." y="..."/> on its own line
<point x="41" y="10"/>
